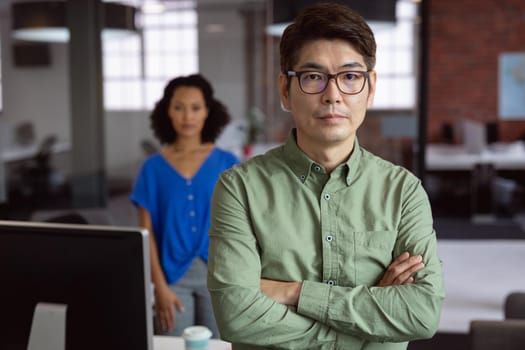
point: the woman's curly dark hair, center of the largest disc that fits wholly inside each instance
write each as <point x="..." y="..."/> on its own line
<point x="218" y="115"/>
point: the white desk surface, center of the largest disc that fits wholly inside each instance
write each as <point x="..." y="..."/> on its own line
<point x="177" y="343"/>
<point x="11" y="153"/>
<point x="455" y="157"/>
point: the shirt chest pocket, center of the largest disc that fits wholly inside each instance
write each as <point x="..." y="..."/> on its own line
<point x="371" y="253"/>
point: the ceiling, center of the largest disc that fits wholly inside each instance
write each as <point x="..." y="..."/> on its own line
<point x="169" y="4"/>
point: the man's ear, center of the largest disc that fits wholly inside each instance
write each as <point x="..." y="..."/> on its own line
<point x="371" y="88"/>
<point x="283" y="92"/>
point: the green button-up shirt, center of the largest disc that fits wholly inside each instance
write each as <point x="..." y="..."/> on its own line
<point x="280" y="216"/>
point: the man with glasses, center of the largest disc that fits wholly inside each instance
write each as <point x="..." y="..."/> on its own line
<point x="318" y="244"/>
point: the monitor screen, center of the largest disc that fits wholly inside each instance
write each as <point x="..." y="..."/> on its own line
<point x="101" y="274"/>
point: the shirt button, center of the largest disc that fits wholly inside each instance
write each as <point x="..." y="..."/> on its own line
<point x="317" y="168"/>
<point x="303" y="177"/>
<point x="190" y="197"/>
<point x="327" y="196"/>
<point x="331" y="283"/>
<point x="193" y="229"/>
<point x="192" y="213"/>
<point x="188" y="182"/>
<point x="329" y="238"/>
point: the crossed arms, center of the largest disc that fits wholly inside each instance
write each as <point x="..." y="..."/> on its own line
<point x="401" y="271"/>
<point x="403" y="304"/>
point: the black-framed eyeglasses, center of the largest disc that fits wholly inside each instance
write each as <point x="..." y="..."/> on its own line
<point x="349" y="82"/>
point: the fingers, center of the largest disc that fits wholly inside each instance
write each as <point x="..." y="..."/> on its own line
<point x="402" y="257"/>
<point x="166" y="311"/>
<point x="409" y="280"/>
<point x="166" y="317"/>
<point x="406" y="269"/>
<point x="401" y="270"/>
<point x="178" y="304"/>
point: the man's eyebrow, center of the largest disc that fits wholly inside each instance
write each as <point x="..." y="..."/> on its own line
<point x="312" y="65"/>
<point x="317" y="66"/>
<point x="352" y="65"/>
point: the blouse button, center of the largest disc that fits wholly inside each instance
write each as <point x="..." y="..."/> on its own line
<point x="188" y="182"/>
<point x="192" y="213"/>
<point x="190" y="197"/>
<point x="303" y="177"/>
<point x="317" y="168"/>
<point x="329" y="238"/>
<point x="193" y="229"/>
<point x="331" y="283"/>
<point x="327" y="196"/>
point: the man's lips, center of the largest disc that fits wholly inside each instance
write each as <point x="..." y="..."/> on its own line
<point x="332" y="116"/>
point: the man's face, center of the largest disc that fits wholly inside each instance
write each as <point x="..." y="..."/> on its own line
<point x="331" y="117"/>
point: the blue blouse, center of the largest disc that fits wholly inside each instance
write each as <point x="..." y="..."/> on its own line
<point x="179" y="208"/>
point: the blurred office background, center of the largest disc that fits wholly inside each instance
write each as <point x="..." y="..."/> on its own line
<point x="450" y="103"/>
<point x="93" y="102"/>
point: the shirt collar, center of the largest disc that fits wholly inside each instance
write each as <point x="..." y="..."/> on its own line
<point x="302" y="166"/>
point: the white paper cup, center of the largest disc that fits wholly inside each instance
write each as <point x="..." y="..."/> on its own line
<point x="196" y="338"/>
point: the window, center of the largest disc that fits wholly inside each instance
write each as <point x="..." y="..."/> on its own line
<point x="170" y="49"/>
<point x="123" y="78"/>
<point x="396" y="60"/>
<point x="137" y="68"/>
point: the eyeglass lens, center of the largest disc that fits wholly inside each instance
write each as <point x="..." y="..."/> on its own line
<point x="316" y="82"/>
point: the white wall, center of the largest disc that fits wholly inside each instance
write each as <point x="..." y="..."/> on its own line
<point x="38" y="94"/>
<point x="124" y="132"/>
<point x="221" y="56"/>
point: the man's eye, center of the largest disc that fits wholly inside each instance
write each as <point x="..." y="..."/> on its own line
<point x="314" y="76"/>
<point x="351" y="76"/>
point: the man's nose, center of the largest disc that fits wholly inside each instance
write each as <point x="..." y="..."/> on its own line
<point x="331" y="94"/>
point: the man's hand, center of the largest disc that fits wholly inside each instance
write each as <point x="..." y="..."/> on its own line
<point x="286" y="293"/>
<point x="401" y="270"/>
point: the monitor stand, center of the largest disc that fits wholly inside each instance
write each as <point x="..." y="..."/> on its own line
<point x="48" y="330"/>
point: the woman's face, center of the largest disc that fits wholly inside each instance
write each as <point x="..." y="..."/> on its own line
<point x="187" y="111"/>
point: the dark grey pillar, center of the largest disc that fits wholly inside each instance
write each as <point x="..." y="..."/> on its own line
<point x="424" y="37"/>
<point x="88" y="178"/>
<point x="3" y="193"/>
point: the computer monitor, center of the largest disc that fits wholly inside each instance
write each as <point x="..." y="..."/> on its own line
<point x="101" y="274"/>
<point x="474" y="136"/>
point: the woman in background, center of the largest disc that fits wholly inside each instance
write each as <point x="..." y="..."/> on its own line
<point x="173" y="192"/>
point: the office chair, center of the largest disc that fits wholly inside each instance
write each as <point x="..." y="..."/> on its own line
<point x="515" y="306"/>
<point x="498" y="334"/>
<point x="37" y="178"/>
<point x="148" y="147"/>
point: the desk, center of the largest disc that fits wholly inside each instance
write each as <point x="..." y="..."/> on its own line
<point x="450" y="161"/>
<point x="441" y="157"/>
<point x="177" y="343"/>
<point x="11" y="153"/>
